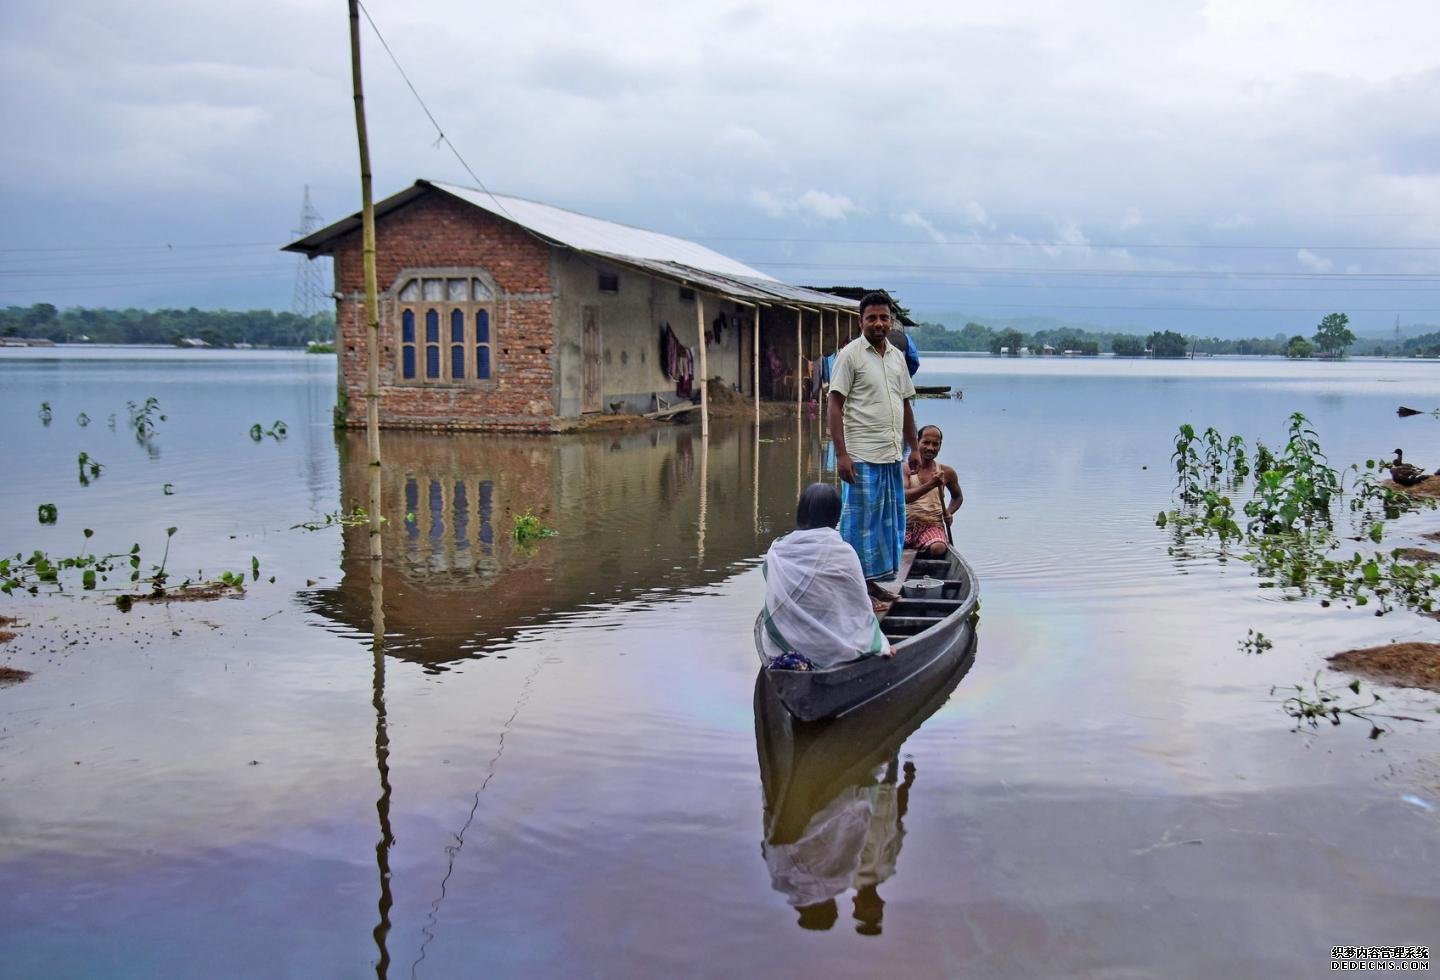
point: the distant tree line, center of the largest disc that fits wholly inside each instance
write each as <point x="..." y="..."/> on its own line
<point x="1061" y="340"/>
<point x="1332" y="338"/>
<point x="218" y="328"/>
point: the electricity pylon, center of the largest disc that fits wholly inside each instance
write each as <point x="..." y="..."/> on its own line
<point x="312" y="296"/>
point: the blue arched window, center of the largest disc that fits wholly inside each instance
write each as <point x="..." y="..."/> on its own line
<point x="444" y="316"/>
<point x="407" y="345"/>
<point x="482" y="343"/>
<point x="457" y="344"/>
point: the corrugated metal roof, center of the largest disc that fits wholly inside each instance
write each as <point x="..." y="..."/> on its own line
<point x="770" y="292"/>
<point x="588" y="234"/>
<point x="665" y="255"/>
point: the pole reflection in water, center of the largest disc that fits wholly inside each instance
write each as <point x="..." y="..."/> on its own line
<point x="704" y="489"/>
<point x="382" y="741"/>
<point x="836" y="795"/>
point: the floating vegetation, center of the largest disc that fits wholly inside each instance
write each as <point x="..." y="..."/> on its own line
<point x="1289" y="531"/>
<point x="338" y="518"/>
<point x="39" y="570"/>
<point x="1255" y="642"/>
<point x="159" y="579"/>
<point x="48" y="513"/>
<point x="89" y="468"/>
<point x="45" y="413"/>
<point x="144" y="417"/>
<point x="529" y="530"/>
<point x="1311" y="707"/>
<point x="277" y="431"/>
<point x="168" y="489"/>
<point x="82" y="420"/>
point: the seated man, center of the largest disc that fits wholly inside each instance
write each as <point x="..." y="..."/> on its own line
<point x="926" y="514"/>
<point x="816" y="605"/>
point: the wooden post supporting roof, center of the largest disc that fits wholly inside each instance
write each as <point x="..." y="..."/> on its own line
<point x="704" y="369"/>
<point x="799" y="354"/>
<point x="755" y="367"/>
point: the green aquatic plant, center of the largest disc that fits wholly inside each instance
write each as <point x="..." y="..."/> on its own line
<point x="529" y="530"/>
<point x="1311" y="707"/>
<point x="1255" y="642"/>
<point x="47" y="513"/>
<point x="1289" y="536"/>
<point x="355" y="518"/>
<point x="89" y="468"/>
<point x="1187" y="465"/>
<point x="159" y="579"/>
<point x="277" y="431"/>
<point x="82" y="420"/>
<point x="45" y="413"/>
<point x="39" y="570"/>
<point x="144" y="417"/>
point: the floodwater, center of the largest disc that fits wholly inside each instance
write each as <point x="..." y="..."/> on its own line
<point x="560" y="765"/>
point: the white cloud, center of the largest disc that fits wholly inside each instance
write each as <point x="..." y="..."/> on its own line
<point x="813" y="204"/>
<point x="824" y="206"/>
<point x="1131" y="219"/>
<point x="1313" y="262"/>
<point x="914" y="219"/>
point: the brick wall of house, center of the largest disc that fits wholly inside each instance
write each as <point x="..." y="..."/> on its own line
<point x="437" y="231"/>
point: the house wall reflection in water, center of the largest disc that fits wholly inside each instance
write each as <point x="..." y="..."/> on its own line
<point x="635" y="513"/>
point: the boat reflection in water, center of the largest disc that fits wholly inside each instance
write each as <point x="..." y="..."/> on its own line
<point x="836" y="795"/>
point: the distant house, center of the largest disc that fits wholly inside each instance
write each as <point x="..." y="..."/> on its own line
<point x="505" y="314"/>
<point x="191" y="342"/>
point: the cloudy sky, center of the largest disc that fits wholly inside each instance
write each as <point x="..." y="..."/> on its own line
<point x="1234" y="167"/>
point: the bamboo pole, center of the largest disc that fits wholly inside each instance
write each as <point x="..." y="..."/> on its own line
<point x="372" y="438"/>
<point x="704" y="368"/>
<point x="372" y="312"/>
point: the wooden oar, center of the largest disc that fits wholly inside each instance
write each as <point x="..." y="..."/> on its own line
<point x="941" y="491"/>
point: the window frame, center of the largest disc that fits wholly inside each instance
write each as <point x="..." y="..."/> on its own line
<point x="420" y="351"/>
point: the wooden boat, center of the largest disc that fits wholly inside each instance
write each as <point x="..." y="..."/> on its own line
<point x="805" y="765"/>
<point x="933" y="391"/>
<point x="927" y="634"/>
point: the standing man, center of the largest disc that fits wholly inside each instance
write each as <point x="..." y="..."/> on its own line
<point x="871" y="421"/>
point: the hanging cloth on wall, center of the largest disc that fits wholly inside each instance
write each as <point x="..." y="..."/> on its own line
<point x="685" y="382"/>
<point x="678" y="361"/>
<point x="669" y="351"/>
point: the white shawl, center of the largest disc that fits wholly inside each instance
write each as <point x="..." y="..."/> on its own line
<point x="816" y="603"/>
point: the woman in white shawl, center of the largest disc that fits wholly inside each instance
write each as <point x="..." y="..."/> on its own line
<point x="816" y="604"/>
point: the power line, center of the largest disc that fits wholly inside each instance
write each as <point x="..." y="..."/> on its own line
<point x="128" y="285"/>
<point x="1006" y="243"/>
<point x="882" y="270"/>
<point x="138" y="248"/>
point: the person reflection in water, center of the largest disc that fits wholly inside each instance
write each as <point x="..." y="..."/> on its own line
<point x="851" y="842"/>
<point x="817" y="611"/>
